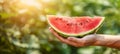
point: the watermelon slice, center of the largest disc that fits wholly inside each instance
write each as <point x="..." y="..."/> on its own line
<point x="74" y="26"/>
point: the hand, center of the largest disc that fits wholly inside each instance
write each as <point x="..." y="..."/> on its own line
<point x="77" y="42"/>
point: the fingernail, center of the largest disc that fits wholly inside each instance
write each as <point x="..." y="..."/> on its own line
<point x="49" y="28"/>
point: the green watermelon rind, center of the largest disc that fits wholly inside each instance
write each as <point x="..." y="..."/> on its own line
<point x="80" y="34"/>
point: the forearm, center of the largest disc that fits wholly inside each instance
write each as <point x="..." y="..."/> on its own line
<point x="108" y="41"/>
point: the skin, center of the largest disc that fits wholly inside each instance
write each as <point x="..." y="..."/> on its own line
<point x="112" y="41"/>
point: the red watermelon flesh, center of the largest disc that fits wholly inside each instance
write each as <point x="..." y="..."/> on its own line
<point x="74" y="26"/>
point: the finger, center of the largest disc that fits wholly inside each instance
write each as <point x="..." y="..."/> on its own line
<point x="49" y="27"/>
<point x="57" y="35"/>
<point x="63" y="39"/>
<point x="78" y="41"/>
<point x="71" y="43"/>
<point x="74" y="39"/>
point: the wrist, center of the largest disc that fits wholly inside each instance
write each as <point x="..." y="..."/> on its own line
<point x="104" y="40"/>
<point x="99" y="41"/>
<point x="91" y="40"/>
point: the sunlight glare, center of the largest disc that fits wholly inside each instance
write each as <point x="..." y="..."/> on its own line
<point x="31" y="3"/>
<point x="46" y="0"/>
<point x="22" y="11"/>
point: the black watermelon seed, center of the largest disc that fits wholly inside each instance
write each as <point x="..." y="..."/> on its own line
<point x="87" y="21"/>
<point x="80" y="23"/>
<point x="56" y="19"/>
<point x="60" y="18"/>
<point x="69" y="24"/>
<point x="75" y="24"/>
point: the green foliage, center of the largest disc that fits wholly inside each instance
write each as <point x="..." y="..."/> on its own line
<point x="23" y="28"/>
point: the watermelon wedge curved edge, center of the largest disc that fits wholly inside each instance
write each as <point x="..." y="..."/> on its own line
<point x="73" y="34"/>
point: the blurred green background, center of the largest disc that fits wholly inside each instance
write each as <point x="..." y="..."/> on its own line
<point x="24" y="29"/>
